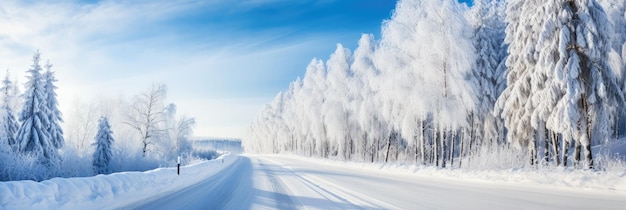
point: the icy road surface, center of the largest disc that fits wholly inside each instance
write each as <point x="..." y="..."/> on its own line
<point x="286" y="182"/>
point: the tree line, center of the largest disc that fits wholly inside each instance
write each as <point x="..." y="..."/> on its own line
<point x="449" y="84"/>
<point x="33" y="146"/>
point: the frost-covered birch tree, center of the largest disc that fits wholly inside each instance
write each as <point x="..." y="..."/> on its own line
<point x="366" y="81"/>
<point x="427" y="44"/>
<point x="146" y="114"/>
<point x="334" y="109"/>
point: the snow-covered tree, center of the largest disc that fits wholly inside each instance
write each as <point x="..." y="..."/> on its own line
<point x="33" y="136"/>
<point x="426" y="53"/>
<point x="8" y="123"/>
<point x="486" y="18"/>
<point x="559" y="77"/>
<point x="514" y="104"/>
<point x="365" y="81"/>
<point x="104" y="142"/>
<point x="335" y="108"/>
<point x="574" y="46"/>
<point x="435" y="82"/>
<point x="54" y="115"/>
<point x="146" y="115"/>
<point x="616" y="13"/>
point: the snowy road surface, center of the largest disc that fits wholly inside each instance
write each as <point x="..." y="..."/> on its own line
<point x="287" y="182"/>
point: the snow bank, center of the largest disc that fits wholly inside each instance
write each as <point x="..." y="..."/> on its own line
<point x="558" y="177"/>
<point x="106" y="191"/>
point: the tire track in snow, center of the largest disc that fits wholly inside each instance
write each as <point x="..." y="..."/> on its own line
<point x="329" y="191"/>
<point x="283" y="201"/>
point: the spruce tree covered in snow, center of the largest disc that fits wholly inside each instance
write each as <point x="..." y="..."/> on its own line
<point x="616" y="13"/>
<point x="574" y="47"/>
<point x="54" y="115"/>
<point x="514" y="104"/>
<point x="8" y="123"/>
<point x="104" y="141"/>
<point x="559" y="78"/>
<point x="486" y="18"/>
<point x="33" y="136"/>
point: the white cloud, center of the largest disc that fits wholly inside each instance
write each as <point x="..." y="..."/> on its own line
<point x="117" y="46"/>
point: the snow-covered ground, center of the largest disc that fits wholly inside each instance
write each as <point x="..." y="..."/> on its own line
<point x="294" y="182"/>
<point x="106" y="191"/>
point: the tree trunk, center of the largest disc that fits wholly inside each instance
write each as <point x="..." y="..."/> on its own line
<point x="452" y="141"/>
<point x="555" y="148"/>
<point x="546" y="150"/>
<point x="577" y="153"/>
<point x="416" y="158"/>
<point x="377" y="147"/>
<point x="565" y="151"/>
<point x="372" y="152"/>
<point x="588" y="126"/>
<point x="397" y="147"/>
<point x="588" y="156"/>
<point x="443" y="148"/>
<point x="617" y="117"/>
<point x="351" y="148"/>
<point x="462" y="149"/>
<point x="388" y="145"/>
<point x="470" y="150"/>
<point x="532" y="146"/>
<point x="423" y="143"/>
<point x="364" y="146"/>
<point x="145" y="148"/>
<point x="436" y="147"/>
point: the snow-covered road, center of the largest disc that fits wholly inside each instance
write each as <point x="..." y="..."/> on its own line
<point x="287" y="182"/>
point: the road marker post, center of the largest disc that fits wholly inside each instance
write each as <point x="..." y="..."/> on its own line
<point x="178" y="165"/>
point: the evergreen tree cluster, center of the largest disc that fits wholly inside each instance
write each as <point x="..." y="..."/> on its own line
<point x="448" y="82"/>
<point x="38" y="132"/>
<point x="36" y="135"/>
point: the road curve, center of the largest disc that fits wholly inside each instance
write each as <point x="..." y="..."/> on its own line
<point x="286" y="182"/>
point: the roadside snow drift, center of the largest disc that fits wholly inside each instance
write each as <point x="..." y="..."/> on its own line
<point x="106" y="191"/>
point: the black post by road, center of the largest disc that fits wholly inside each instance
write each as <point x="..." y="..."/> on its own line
<point x="178" y="165"/>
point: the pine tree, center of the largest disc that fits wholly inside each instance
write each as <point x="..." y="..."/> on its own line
<point x="9" y="124"/>
<point x="104" y="140"/>
<point x="33" y="136"/>
<point x="54" y="115"/>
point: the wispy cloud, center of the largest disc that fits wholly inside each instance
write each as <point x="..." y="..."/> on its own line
<point x="231" y="50"/>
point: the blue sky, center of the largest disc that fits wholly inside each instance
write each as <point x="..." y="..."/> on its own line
<point x="221" y="59"/>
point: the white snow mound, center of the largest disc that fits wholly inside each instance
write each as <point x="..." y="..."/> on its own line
<point x="106" y="191"/>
